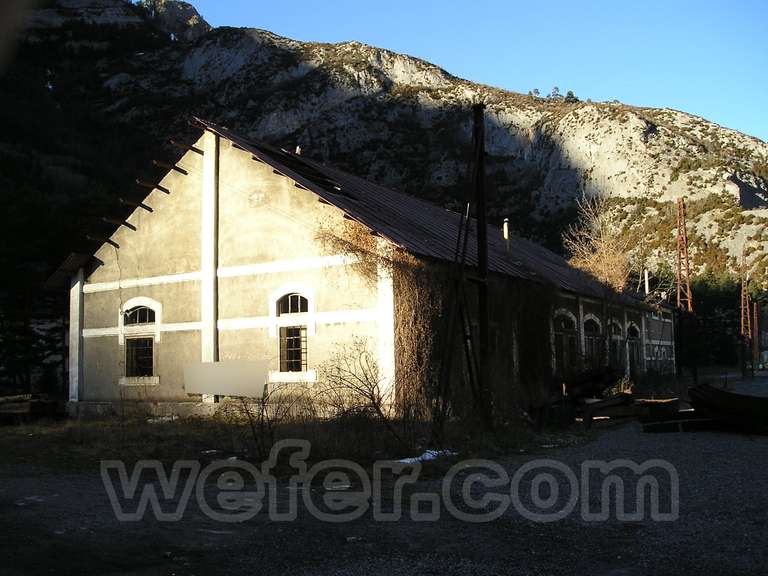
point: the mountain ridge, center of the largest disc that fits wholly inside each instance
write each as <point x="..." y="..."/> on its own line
<point x="404" y="122"/>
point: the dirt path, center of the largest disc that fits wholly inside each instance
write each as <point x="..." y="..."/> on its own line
<point x="56" y="523"/>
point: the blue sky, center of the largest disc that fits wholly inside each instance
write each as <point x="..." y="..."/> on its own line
<point x="704" y="57"/>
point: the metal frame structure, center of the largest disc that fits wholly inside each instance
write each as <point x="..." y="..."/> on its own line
<point x="684" y="295"/>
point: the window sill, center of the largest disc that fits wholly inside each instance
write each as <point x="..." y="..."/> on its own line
<point x="139" y="381"/>
<point x="276" y="377"/>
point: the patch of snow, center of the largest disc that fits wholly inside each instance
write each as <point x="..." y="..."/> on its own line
<point x="427" y="456"/>
<point x="159" y="419"/>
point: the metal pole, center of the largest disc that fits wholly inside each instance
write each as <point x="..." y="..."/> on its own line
<point x="482" y="252"/>
<point x="647" y="283"/>
<point x="755" y="337"/>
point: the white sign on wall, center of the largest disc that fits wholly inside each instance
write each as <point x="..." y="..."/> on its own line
<point x="245" y="378"/>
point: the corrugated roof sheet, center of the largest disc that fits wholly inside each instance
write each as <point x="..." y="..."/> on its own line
<point x="416" y="225"/>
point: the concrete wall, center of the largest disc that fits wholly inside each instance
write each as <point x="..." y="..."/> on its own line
<point x="265" y="245"/>
<point x="655" y="346"/>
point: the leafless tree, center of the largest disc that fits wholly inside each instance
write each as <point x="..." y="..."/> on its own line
<point x="597" y="246"/>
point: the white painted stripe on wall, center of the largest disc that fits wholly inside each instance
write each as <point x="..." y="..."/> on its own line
<point x="347" y="316"/>
<point x="287" y="265"/>
<point x="327" y="318"/>
<point x="181" y="326"/>
<point x="244" y="323"/>
<point x="138" y="282"/>
<point x="97" y="332"/>
<point x="227" y="272"/>
<point x="115" y="330"/>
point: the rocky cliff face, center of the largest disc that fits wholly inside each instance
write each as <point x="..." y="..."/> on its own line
<point x="404" y="122"/>
<point x="180" y="20"/>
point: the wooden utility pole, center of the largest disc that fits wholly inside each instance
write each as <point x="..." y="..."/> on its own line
<point x="482" y="237"/>
<point x="475" y="348"/>
<point x="478" y="181"/>
<point x="684" y="295"/>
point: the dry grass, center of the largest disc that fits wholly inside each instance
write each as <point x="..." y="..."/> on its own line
<point x="80" y="445"/>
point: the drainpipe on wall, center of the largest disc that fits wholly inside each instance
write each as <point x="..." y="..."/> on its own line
<point x="209" y="247"/>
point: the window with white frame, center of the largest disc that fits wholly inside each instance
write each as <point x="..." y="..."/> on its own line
<point x="139" y="323"/>
<point x="292" y="304"/>
<point x="293" y="339"/>
<point x="139" y="315"/>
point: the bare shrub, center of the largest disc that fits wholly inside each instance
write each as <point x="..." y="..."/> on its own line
<point x="351" y="385"/>
<point x="281" y="404"/>
<point x="597" y="246"/>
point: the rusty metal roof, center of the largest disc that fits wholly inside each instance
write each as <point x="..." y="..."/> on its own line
<point x="416" y="225"/>
<point x="421" y="228"/>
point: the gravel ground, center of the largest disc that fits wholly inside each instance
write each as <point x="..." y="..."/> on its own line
<point x="54" y="523"/>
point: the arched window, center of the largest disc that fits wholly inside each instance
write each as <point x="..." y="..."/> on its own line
<point x="591" y="326"/>
<point x="139" y="315"/>
<point x="633" y="349"/>
<point x="566" y="339"/>
<point x="292" y="304"/>
<point x="139" y="347"/>
<point x="293" y="339"/>
<point x="593" y="343"/>
<point x="617" y="356"/>
<point x="564" y="323"/>
<point x="139" y="331"/>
